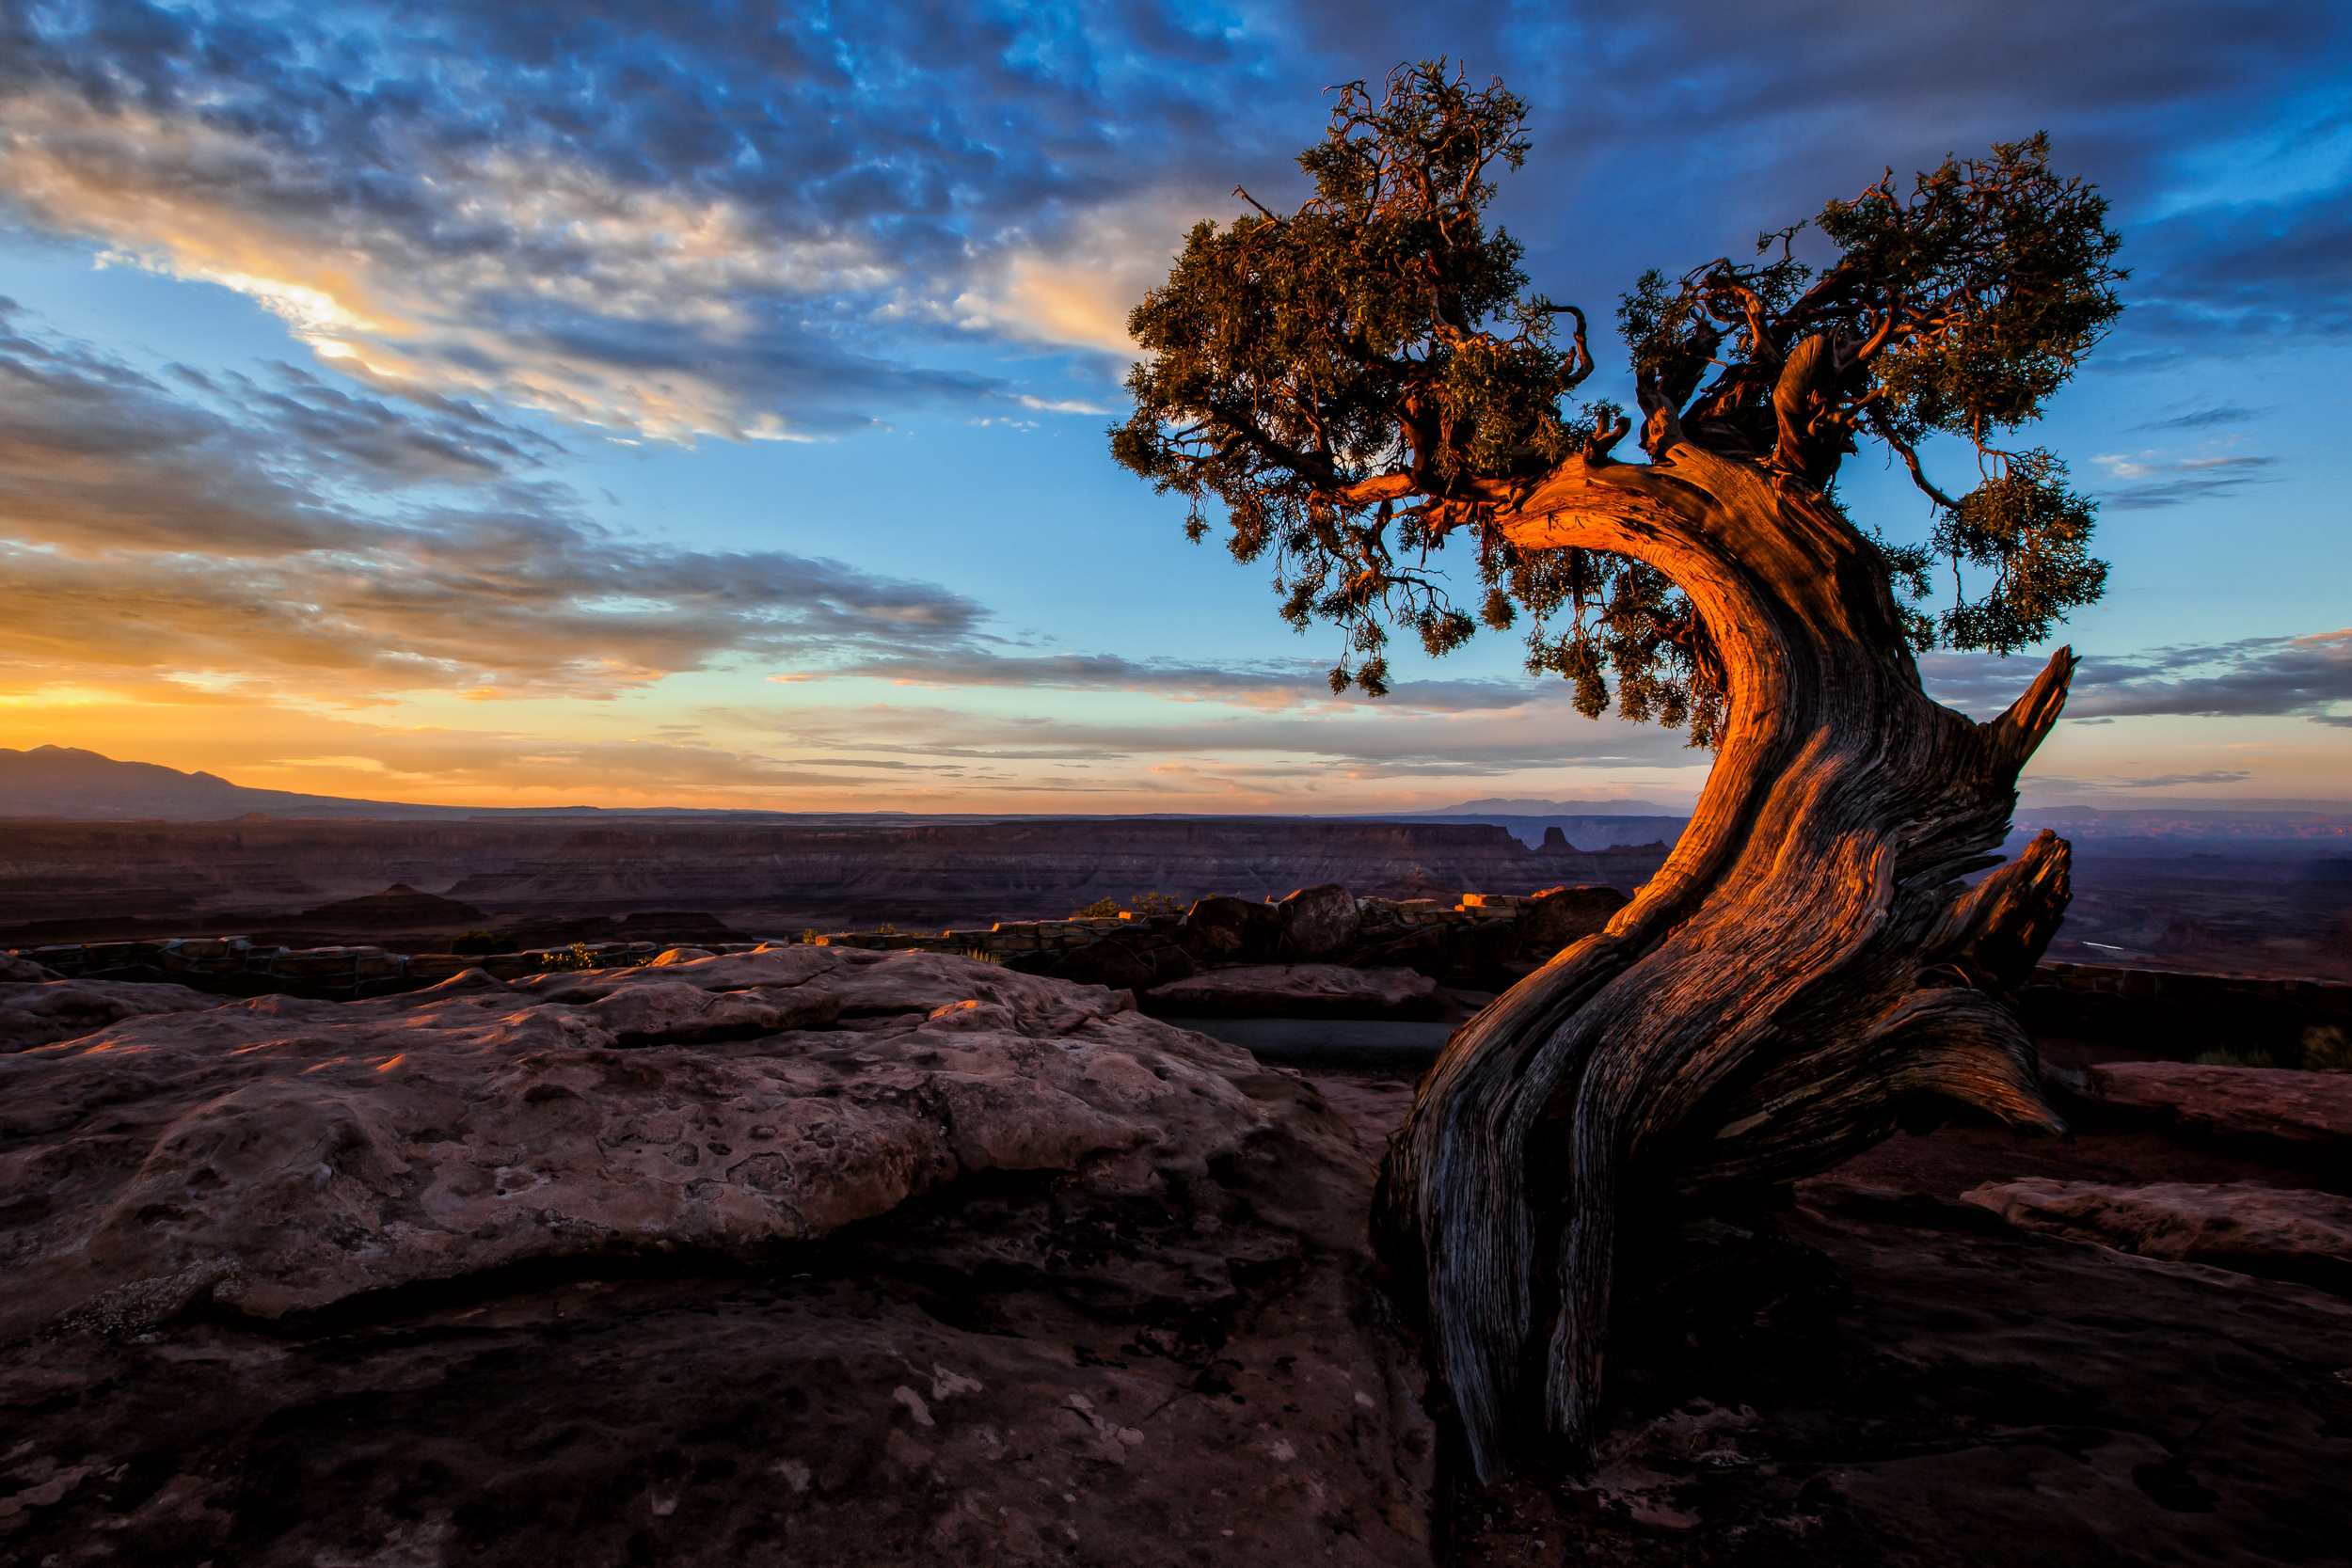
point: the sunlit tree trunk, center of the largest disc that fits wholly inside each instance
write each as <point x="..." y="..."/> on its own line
<point x="1805" y="965"/>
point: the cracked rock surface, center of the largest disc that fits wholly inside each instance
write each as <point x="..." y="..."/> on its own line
<point x="812" y="1255"/>
<point x="37" y="1008"/>
<point x="2248" y="1227"/>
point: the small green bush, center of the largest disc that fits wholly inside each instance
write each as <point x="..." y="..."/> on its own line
<point x="482" y="942"/>
<point x="1143" y="906"/>
<point x="581" y="956"/>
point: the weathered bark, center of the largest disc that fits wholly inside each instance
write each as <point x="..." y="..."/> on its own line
<point x="1805" y="965"/>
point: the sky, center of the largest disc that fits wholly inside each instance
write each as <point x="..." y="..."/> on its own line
<point x="512" y="403"/>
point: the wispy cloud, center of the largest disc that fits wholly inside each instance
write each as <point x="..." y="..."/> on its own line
<point x="2208" y="419"/>
<point x="2152" y="480"/>
<point x="295" y="538"/>
<point x="1540" y="731"/>
<point x="1262" y="684"/>
<point x="2168" y="780"/>
<point x="670" y="222"/>
<point x="698" y="218"/>
<point x="2301" y="677"/>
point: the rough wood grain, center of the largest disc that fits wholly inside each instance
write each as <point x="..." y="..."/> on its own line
<point x="1806" y="966"/>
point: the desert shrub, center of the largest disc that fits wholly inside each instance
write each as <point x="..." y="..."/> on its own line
<point x="482" y="942"/>
<point x="1142" y="905"/>
<point x="581" y="956"/>
<point x="2326" y="1047"/>
<point x="2236" y="1058"/>
<point x="976" y="953"/>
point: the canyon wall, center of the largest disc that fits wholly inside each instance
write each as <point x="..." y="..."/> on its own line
<point x="769" y="878"/>
<point x="1005" y="870"/>
<point x="68" y="871"/>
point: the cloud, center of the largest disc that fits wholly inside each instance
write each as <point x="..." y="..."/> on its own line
<point x="2206" y="418"/>
<point x="1541" y="733"/>
<point x="1076" y="281"/>
<point x="668" y="221"/>
<point x="1263" y="684"/>
<point x="699" y="218"/>
<point x="296" y="538"/>
<point x="2166" y="780"/>
<point x="2232" y="276"/>
<point x="2156" y="481"/>
<point x="2298" y="676"/>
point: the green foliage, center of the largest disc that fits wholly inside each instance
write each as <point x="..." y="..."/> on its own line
<point x="2031" y="533"/>
<point x="1143" y="906"/>
<point x="1982" y="288"/>
<point x="1355" y="381"/>
<point x="1295" y="357"/>
<point x="581" y="956"/>
<point x="2328" y="1048"/>
<point x="482" y="943"/>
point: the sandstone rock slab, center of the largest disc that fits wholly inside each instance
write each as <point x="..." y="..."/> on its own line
<point x="1559" y="915"/>
<point x="2250" y="1226"/>
<point x="1317" y="923"/>
<point x="1300" y="991"/>
<point x="1125" y="960"/>
<point x="1969" y="1394"/>
<point x="943" y="1290"/>
<point x="1219" y="930"/>
<point x="43" y="1012"/>
<point x="2312" y="1110"/>
<point x="277" y="1157"/>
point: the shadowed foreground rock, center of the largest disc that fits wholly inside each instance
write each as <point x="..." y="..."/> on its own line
<point x="1300" y="991"/>
<point x="2248" y="1227"/>
<point x="42" y="1009"/>
<point x="638" y="1265"/>
<point x="1902" y="1381"/>
<point x="2312" y="1110"/>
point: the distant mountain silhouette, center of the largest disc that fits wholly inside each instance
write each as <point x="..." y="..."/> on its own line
<point x="83" y="787"/>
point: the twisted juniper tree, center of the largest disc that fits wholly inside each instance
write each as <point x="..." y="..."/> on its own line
<point x="1364" y="382"/>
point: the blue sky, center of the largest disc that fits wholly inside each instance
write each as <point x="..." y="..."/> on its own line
<point x="695" y="404"/>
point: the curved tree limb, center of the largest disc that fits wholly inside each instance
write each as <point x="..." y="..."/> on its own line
<point x="1796" y="972"/>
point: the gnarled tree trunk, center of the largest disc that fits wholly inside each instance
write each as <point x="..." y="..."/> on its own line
<point x="1804" y="964"/>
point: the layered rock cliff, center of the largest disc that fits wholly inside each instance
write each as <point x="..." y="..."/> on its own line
<point x="780" y="877"/>
<point x="1006" y="869"/>
<point x="97" y="870"/>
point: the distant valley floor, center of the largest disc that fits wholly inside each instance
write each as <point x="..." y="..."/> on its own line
<point x="2254" y="907"/>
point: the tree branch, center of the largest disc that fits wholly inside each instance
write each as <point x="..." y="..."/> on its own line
<point x="1884" y="428"/>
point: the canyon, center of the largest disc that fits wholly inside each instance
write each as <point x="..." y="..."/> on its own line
<point x="77" y="878"/>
